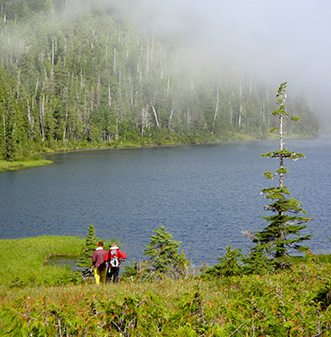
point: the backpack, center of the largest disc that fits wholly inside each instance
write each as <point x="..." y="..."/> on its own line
<point x="113" y="257"/>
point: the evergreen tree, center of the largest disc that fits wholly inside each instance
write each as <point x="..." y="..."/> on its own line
<point x="165" y="260"/>
<point x="85" y="260"/>
<point x="7" y="113"/>
<point x="283" y="232"/>
<point x="230" y="264"/>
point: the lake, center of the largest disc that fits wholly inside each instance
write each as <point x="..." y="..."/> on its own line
<point x="204" y="194"/>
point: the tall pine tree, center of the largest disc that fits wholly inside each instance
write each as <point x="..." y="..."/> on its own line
<point x="282" y="235"/>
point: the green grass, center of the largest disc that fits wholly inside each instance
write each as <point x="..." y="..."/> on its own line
<point x="23" y="260"/>
<point x="293" y="302"/>
<point x="22" y="164"/>
<point x="288" y="303"/>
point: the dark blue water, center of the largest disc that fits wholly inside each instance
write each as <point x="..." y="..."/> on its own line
<point x="203" y="194"/>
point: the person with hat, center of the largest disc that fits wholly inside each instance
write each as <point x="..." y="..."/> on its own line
<point x="100" y="269"/>
<point x="114" y="257"/>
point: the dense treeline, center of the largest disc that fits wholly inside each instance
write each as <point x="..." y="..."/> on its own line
<point x="84" y="75"/>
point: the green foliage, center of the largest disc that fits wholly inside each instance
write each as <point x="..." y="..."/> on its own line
<point x="323" y="295"/>
<point x="161" y="249"/>
<point x="295" y="302"/>
<point x="283" y="154"/>
<point x="68" y="278"/>
<point x="85" y="259"/>
<point x="283" y="232"/>
<point x="194" y="315"/>
<point x="124" y="89"/>
<point x="25" y="261"/>
<point x="230" y="264"/>
<point x="257" y="263"/>
<point x="22" y="164"/>
<point x="164" y="259"/>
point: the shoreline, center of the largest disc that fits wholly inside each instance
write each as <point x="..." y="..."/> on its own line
<point x="16" y="165"/>
<point x="138" y="146"/>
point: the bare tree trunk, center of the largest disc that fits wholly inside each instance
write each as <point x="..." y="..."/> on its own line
<point x="147" y="57"/>
<point x="239" y="118"/>
<point x="170" y="118"/>
<point x="141" y="76"/>
<point x="131" y="94"/>
<point x="240" y="98"/>
<point x="98" y="93"/>
<point x="30" y="120"/>
<point x="41" y="117"/>
<point x="37" y="85"/>
<point x="116" y="129"/>
<point x="109" y="96"/>
<point x="92" y="103"/>
<point x="115" y="61"/>
<point x="142" y="122"/>
<point x="52" y="70"/>
<point x="281" y="146"/>
<point x="216" y="109"/>
<point x="188" y="116"/>
<point x="145" y="120"/>
<point x="65" y="125"/>
<point x="155" y="115"/>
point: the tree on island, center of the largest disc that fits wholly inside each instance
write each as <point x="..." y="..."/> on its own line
<point x="282" y="235"/>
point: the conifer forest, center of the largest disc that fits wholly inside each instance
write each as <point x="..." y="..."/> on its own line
<point x="80" y="73"/>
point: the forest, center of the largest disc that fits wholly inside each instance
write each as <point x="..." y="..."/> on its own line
<point x="79" y="74"/>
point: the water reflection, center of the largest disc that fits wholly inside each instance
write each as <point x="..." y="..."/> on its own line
<point x="64" y="261"/>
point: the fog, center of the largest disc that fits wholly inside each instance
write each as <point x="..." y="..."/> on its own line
<point x="276" y="41"/>
<point x="272" y="41"/>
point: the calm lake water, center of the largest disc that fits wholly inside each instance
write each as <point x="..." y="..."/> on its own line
<point x="205" y="195"/>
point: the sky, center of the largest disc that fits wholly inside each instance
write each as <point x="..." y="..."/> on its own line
<point x="278" y="40"/>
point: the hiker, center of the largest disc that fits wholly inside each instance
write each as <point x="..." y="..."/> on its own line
<point x="100" y="269"/>
<point x="114" y="257"/>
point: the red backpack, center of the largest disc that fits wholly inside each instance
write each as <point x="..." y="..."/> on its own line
<point x="114" y="260"/>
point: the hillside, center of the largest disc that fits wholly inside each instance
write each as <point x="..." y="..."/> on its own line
<point x="80" y="74"/>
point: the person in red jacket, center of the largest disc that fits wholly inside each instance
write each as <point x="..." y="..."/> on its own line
<point x="100" y="269"/>
<point x="114" y="257"/>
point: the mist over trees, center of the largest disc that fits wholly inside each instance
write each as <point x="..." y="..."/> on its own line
<point x="80" y="73"/>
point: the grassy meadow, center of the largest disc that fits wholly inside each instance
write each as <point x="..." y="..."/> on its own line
<point x="293" y="302"/>
<point x="22" y="164"/>
<point x="24" y="261"/>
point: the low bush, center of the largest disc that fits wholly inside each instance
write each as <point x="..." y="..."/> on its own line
<point x="288" y="303"/>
